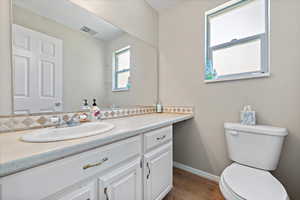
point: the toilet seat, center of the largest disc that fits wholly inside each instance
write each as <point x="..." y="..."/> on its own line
<point x="227" y="192"/>
<point x="239" y="182"/>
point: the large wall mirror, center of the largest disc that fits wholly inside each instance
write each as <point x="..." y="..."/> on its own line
<point x="63" y="54"/>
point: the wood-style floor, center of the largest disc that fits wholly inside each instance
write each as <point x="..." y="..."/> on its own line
<point x="188" y="186"/>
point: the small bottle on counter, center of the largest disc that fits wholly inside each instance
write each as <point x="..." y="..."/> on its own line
<point x="159" y="108"/>
<point x="85" y="105"/>
<point x="84" y="111"/>
<point x="95" y="111"/>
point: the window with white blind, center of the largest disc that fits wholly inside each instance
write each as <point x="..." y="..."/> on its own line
<point x="121" y="69"/>
<point x="237" y="40"/>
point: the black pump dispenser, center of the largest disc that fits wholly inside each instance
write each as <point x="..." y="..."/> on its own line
<point x="85" y="102"/>
<point x="94" y="102"/>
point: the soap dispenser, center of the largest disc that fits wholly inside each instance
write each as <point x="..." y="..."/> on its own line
<point x="85" y="105"/>
<point x="95" y="111"/>
<point x="84" y="111"/>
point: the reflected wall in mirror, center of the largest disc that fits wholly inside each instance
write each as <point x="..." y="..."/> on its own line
<point x="63" y="54"/>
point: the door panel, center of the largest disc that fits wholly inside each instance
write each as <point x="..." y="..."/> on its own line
<point x="124" y="183"/>
<point x="37" y="61"/>
<point x="22" y="40"/>
<point x="47" y="79"/>
<point x="47" y="48"/>
<point x="22" y="66"/>
<point x="158" y="172"/>
<point x="87" y="192"/>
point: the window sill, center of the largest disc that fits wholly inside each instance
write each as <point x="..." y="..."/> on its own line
<point x="239" y="77"/>
<point x="120" y="90"/>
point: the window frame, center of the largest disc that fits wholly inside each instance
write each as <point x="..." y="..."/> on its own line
<point x="264" y="39"/>
<point x="115" y="87"/>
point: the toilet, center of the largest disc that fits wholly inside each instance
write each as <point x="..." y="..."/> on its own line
<point x="255" y="151"/>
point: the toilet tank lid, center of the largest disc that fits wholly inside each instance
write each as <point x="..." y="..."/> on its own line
<point x="258" y="129"/>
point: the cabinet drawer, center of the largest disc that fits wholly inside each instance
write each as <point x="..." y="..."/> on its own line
<point x="157" y="137"/>
<point x="83" y="192"/>
<point x="53" y="177"/>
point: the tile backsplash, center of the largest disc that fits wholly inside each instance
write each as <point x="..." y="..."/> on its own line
<point x="178" y="109"/>
<point x="24" y="122"/>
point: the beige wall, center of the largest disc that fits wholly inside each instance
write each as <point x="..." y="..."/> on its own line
<point x="83" y="58"/>
<point x="134" y="16"/>
<point x="200" y="143"/>
<point x="5" y="69"/>
<point x="143" y="72"/>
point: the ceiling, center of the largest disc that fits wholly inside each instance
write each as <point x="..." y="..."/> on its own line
<point x="160" y="5"/>
<point x="72" y="16"/>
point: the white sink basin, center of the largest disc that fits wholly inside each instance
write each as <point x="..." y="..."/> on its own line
<point x="67" y="133"/>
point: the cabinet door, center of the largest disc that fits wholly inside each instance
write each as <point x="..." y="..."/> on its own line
<point x="124" y="183"/>
<point x="158" y="172"/>
<point x="86" y="192"/>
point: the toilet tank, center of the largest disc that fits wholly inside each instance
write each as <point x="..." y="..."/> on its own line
<point x="255" y="146"/>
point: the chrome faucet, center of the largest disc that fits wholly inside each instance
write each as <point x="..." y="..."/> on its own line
<point x="74" y="121"/>
<point x="57" y="121"/>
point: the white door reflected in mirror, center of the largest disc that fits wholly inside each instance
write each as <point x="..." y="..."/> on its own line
<point x="38" y="71"/>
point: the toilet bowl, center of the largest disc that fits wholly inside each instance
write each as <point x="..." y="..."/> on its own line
<point x="255" y="151"/>
<point x="239" y="182"/>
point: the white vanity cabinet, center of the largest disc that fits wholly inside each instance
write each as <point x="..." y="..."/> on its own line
<point x="124" y="183"/>
<point x="158" y="173"/>
<point x="137" y="168"/>
<point x="158" y="163"/>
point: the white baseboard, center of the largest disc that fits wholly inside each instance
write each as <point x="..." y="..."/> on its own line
<point x="198" y="172"/>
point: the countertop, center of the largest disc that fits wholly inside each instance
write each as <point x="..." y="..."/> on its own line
<point x="16" y="155"/>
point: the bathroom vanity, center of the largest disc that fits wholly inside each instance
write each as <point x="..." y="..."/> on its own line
<point x="131" y="162"/>
<point x="60" y="63"/>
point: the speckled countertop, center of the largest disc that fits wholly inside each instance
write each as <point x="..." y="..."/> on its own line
<point x="16" y="155"/>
